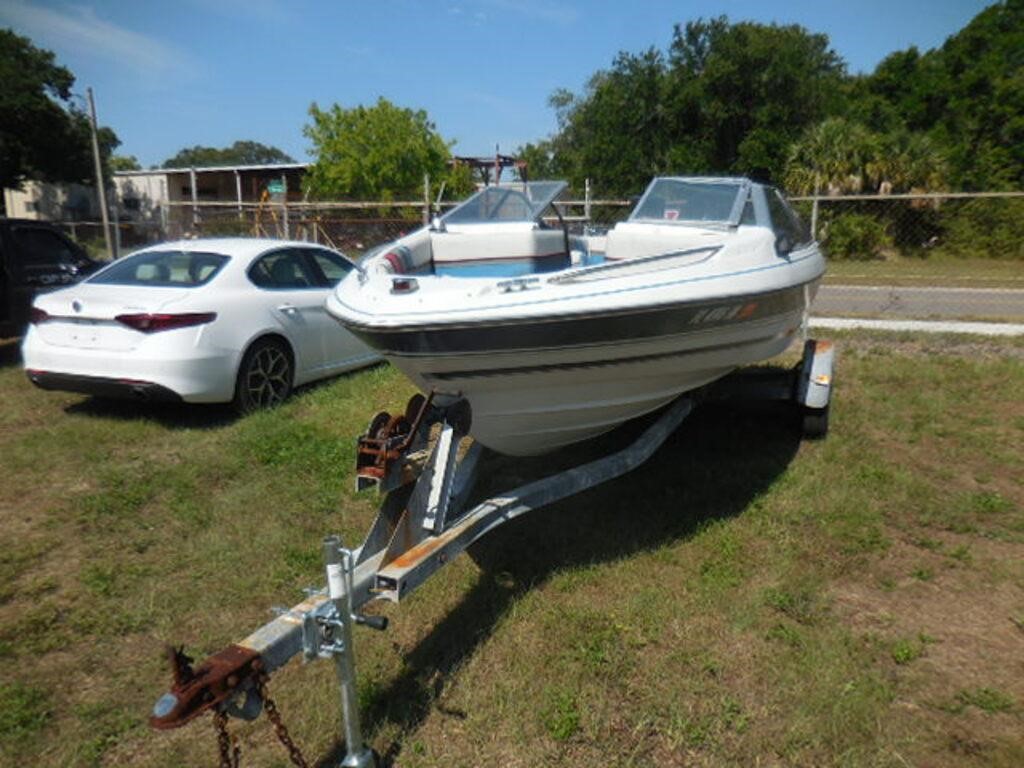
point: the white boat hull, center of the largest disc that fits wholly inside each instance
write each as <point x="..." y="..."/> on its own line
<point x="532" y="402"/>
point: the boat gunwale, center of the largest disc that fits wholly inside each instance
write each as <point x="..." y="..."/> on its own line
<point x="508" y="319"/>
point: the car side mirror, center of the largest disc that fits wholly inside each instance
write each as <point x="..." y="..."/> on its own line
<point x="783" y="245"/>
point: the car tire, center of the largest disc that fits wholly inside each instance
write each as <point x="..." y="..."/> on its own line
<point x="264" y="377"/>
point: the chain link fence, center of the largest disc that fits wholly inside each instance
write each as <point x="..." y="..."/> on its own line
<point x="951" y="225"/>
<point x="947" y="255"/>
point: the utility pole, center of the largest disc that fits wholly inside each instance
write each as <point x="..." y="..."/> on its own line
<point x="100" y="191"/>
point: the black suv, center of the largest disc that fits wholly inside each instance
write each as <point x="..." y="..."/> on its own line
<point x="34" y="257"/>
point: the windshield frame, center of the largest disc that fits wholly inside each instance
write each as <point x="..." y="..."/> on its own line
<point x="743" y="188"/>
<point x="537" y="206"/>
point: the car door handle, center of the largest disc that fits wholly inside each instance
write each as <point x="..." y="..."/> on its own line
<point x="288" y="309"/>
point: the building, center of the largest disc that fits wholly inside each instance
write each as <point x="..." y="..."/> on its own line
<point x="160" y="202"/>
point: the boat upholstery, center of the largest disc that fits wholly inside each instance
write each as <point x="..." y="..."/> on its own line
<point x="499" y="251"/>
<point x="454" y="247"/>
<point x="410" y="254"/>
<point x="631" y="240"/>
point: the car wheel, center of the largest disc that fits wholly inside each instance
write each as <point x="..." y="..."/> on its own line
<point x="264" y="377"/>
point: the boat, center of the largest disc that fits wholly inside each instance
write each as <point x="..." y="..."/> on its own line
<point x="554" y="338"/>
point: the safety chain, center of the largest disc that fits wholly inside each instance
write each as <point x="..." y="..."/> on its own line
<point x="279" y="728"/>
<point x="229" y="751"/>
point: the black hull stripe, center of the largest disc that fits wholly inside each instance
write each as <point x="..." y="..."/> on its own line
<point x="581" y="330"/>
<point x="591" y="364"/>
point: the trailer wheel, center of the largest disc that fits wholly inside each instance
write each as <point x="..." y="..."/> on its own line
<point x="815" y="422"/>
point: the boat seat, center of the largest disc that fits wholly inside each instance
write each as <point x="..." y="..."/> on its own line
<point x="411" y="254"/>
<point x="499" y="252"/>
<point x="632" y="240"/>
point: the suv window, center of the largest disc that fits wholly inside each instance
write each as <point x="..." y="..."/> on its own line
<point x="785" y="220"/>
<point x="43" y="248"/>
<point x="283" y="269"/>
<point x="332" y="265"/>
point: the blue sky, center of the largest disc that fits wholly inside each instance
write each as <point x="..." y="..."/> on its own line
<point x="173" y="74"/>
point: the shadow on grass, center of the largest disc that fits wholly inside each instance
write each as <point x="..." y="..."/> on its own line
<point x="167" y="415"/>
<point x="10" y="352"/>
<point x="712" y="467"/>
<point x="173" y="415"/>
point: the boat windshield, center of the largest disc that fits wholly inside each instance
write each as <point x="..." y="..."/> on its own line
<point x="506" y="203"/>
<point x="686" y="200"/>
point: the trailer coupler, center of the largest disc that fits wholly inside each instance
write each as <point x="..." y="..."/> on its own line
<point x="213" y="684"/>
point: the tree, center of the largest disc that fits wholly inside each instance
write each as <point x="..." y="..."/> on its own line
<point x="967" y="97"/>
<point x="374" y="153"/>
<point x="124" y="163"/>
<point x="617" y="132"/>
<point x="725" y="98"/>
<point x="540" y="160"/>
<point x="831" y="157"/>
<point x="43" y="135"/>
<point x="745" y="91"/>
<point x="839" y="156"/>
<point x="239" y="153"/>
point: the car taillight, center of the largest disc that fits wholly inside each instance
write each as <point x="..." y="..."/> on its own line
<point x="37" y="316"/>
<point x="151" y="323"/>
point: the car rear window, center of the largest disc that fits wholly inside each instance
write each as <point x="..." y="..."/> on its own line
<point x="163" y="268"/>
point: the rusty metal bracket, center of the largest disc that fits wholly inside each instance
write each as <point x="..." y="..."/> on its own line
<point x="382" y="450"/>
<point x="194" y="691"/>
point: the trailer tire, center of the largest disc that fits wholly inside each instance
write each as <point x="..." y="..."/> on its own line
<point x="815" y="423"/>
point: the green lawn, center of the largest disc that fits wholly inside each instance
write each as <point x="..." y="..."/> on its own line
<point x="743" y="599"/>
<point x="935" y="271"/>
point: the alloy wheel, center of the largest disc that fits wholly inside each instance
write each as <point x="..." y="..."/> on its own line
<point x="268" y="377"/>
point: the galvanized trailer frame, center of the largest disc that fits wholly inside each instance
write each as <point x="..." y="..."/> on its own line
<point x="406" y="544"/>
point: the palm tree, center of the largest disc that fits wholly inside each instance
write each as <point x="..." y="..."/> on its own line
<point x="906" y="162"/>
<point x="837" y="156"/>
<point x="830" y="156"/>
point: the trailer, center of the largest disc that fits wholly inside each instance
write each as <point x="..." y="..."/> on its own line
<point x="409" y="542"/>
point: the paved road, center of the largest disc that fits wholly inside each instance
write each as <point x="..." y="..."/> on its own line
<point x="899" y="301"/>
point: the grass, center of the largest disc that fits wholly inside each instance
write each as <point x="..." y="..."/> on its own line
<point x="742" y="599"/>
<point x="935" y="270"/>
<point x="987" y="700"/>
<point x="24" y="711"/>
<point x="906" y="650"/>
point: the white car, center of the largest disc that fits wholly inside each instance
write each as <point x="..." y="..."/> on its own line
<point x="237" y="320"/>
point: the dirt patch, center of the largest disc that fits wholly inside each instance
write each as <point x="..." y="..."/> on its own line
<point x="951" y="637"/>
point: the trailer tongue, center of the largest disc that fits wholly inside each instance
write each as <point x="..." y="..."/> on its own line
<point x="409" y="542"/>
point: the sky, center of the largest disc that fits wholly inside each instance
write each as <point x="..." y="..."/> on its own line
<point x="168" y="75"/>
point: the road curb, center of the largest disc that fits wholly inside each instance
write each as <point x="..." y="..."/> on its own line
<point x="925" y="326"/>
